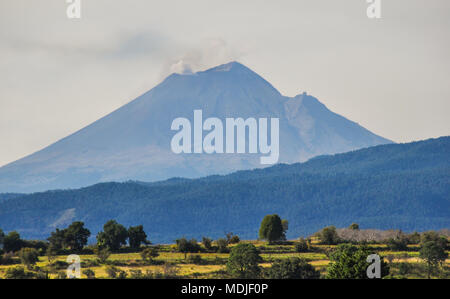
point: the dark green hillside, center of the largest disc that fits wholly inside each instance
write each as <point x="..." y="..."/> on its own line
<point x="405" y="186"/>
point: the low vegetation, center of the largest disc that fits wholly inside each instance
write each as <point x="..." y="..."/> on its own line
<point x="126" y="253"/>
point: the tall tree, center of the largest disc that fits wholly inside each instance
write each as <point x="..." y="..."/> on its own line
<point x="137" y="236"/>
<point x="12" y="242"/>
<point x="56" y="239"/>
<point x="271" y="228"/>
<point x="76" y="235"/>
<point x="113" y="236"/>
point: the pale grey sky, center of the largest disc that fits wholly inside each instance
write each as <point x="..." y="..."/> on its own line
<point x="57" y="75"/>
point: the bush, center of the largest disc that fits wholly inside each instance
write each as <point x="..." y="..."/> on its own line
<point x="7" y="258"/>
<point x="115" y="273"/>
<point x="60" y="265"/>
<point x="354" y="226"/>
<point x="414" y="238"/>
<point x="207" y="243"/>
<point x="186" y="246"/>
<point x="28" y="256"/>
<point x="292" y="268"/>
<point x="234" y="239"/>
<point x="102" y="254"/>
<point x="195" y="259"/>
<point x="169" y="271"/>
<point x="301" y="246"/>
<point x="137" y="274"/>
<point x="398" y="244"/>
<point x="350" y="262"/>
<point x="89" y="273"/>
<point x="149" y="253"/>
<point x="18" y="273"/>
<point x="329" y="236"/>
<point x="222" y="246"/>
<point x="404" y="268"/>
<point x="243" y="261"/>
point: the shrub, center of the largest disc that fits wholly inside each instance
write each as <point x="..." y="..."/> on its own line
<point x="28" y="256"/>
<point x="18" y="273"/>
<point x="234" y="239"/>
<point x="169" y="271"/>
<point x="222" y="245"/>
<point x="102" y="254"/>
<point x="350" y="262"/>
<point x="328" y="236"/>
<point x="89" y="273"/>
<point x="243" y="261"/>
<point x="195" y="259"/>
<point x="292" y="268"/>
<point x="404" y="268"/>
<point x="7" y="258"/>
<point x="354" y="226"/>
<point x="301" y="246"/>
<point x="186" y="246"/>
<point x="398" y="244"/>
<point x="149" y="253"/>
<point x="207" y="243"/>
<point x="60" y="265"/>
<point x="136" y="274"/>
<point x="115" y="273"/>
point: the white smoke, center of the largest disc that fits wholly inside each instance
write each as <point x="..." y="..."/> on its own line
<point x="209" y="53"/>
<point x="181" y="67"/>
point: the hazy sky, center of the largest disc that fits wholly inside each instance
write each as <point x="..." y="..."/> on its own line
<point x="57" y="75"/>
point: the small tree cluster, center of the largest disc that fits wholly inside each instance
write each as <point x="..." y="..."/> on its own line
<point x="74" y="237"/>
<point x="187" y="246"/>
<point x="115" y="235"/>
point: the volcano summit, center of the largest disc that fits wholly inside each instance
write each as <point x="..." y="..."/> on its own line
<point x="134" y="142"/>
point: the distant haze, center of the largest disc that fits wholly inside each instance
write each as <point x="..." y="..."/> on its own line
<point x="58" y="75"/>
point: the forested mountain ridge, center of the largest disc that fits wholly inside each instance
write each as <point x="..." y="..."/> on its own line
<point x="401" y="186"/>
